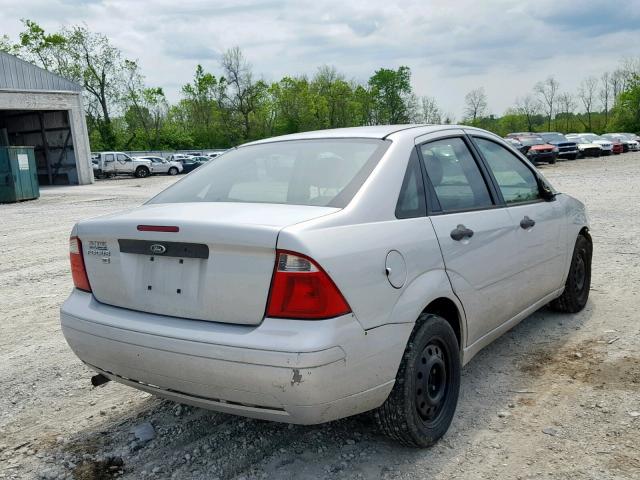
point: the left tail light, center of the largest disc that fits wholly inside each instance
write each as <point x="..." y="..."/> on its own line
<point x="78" y="270"/>
<point x="300" y="289"/>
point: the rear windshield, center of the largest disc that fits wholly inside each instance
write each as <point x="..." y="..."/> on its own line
<point x="325" y="172"/>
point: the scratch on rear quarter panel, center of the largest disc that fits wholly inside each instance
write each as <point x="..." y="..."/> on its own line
<point x="297" y="377"/>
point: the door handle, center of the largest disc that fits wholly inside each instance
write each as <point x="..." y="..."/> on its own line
<point x="526" y="222"/>
<point x="461" y="232"/>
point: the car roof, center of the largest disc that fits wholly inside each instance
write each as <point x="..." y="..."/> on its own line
<point x="373" y="132"/>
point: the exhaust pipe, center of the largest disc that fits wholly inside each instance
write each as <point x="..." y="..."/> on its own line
<point x="99" y="379"/>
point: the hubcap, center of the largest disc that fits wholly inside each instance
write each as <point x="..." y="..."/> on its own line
<point x="431" y="382"/>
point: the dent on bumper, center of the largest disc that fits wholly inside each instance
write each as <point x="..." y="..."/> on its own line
<point x="284" y="370"/>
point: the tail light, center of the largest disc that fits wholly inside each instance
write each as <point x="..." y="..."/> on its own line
<point x="78" y="271"/>
<point x="300" y="289"/>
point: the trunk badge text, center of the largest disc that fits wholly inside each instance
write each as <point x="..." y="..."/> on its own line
<point x="157" y="249"/>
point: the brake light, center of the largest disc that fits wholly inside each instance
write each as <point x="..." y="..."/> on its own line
<point x="78" y="270"/>
<point x="158" y="228"/>
<point x="300" y="289"/>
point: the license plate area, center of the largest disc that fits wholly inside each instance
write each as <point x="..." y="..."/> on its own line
<point x="168" y="275"/>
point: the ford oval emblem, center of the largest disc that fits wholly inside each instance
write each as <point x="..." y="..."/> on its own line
<point x="157" y="249"/>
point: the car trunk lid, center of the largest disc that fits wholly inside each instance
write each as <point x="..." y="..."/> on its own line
<point x="217" y="266"/>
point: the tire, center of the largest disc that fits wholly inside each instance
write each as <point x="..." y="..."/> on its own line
<point x="142" y="172"/>
<point x="406" y="415"/>
<point x="576" y="289"/>
<point x="173" y="171"/>
<point x="552" y="161"/>
<point x="573" y="156"/>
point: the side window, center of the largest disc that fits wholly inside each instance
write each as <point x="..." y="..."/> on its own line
<point x="411" y="202"/>
<point x="455" y="175"/>
<point x="123" y="158"/>
<point x="108" y="157"/>
<point x="515" y="180"/>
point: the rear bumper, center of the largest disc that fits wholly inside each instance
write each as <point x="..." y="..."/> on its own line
<point x="291" y="371"/>
<point x="542" y="157"/>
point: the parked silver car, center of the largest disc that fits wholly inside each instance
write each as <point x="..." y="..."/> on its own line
<point x="319" y="275"/>
<point x="161" y="165"/>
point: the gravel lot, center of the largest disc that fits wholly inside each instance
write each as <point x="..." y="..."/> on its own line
<point x="557" y="397"/>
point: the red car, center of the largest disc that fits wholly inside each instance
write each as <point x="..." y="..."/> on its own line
<point x="618" y="147"/>
<point x="538" y="150"/>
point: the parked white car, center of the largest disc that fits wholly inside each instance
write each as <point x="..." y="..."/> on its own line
<point x="605" y="145"/>
<point x="629" y="143"/>
<point x="178" y="157"/>
<point x="586" y="147"/>
<point x="106" y="164"/>
<point x="160" y="165"/>
<point x="319" y="275"/>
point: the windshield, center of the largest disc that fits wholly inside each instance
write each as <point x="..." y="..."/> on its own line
<point x="553" y="137"/>
<point x="529" y="141"/>
<point x="302" y="172"/>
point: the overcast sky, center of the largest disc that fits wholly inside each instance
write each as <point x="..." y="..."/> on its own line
<point x="451" y="46"/>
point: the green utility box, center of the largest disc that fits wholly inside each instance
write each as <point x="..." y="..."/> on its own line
<point x="18" y="174"/>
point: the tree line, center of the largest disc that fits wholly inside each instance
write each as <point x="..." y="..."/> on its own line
<point x="234" y="106"/>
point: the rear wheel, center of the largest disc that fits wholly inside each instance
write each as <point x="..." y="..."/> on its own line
<point x="576" y="289"/>
<point x="142" y="172"/>
<point x="173" y="171"/>
<point x="423" y="401"/>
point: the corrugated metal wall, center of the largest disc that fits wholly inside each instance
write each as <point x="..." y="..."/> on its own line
<point x="16" y="74"/>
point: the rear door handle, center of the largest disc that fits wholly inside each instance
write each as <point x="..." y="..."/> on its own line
<point x="527" y="222"/>
<point x="461" y="232"/>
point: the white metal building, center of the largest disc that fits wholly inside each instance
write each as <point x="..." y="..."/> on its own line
<point x="44" y="110"/>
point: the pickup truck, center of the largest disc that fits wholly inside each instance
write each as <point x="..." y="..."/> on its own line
<point x="107" y="164"/>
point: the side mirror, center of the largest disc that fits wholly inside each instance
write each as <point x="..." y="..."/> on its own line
<point x="545" y="191"/>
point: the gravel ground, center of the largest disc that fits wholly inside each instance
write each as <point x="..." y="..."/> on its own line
<point x="557" y="397"/>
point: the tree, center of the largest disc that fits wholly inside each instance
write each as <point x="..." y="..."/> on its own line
<point x="587" y="95"/>
<point x="566" y="107"/>
<point x="7" y="46"/>
<point x="475" y="104"/>
<point x="147" y="110"/>
<point x="41" y="48"/>
<point x="390" y="90"/>
<point x="240" y="94"/>
<point x="431" y="113"/>
<point x="529" y="107"/>
<point x="605" y="96"/>
<point x="546" y="91"/>
<point x="334" y="93"/>
<point x="627" y="110"/>
<point x="202" y="110"/>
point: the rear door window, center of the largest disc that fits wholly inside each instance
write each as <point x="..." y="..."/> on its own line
<point x="455" y="175"/>
<point x="411" y="201"/>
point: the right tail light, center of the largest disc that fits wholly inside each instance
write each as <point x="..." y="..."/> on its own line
<point x="300" y="289"/>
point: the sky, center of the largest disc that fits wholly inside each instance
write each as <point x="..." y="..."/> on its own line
<point x="451" y="46"/>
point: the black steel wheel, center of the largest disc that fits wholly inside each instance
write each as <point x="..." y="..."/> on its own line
<point x="431" y="381"/>
<point x="423" y="400"/>
<point x="578" y="284"/>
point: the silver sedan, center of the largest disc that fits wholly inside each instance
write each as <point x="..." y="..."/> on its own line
<point x="319" y="275"/>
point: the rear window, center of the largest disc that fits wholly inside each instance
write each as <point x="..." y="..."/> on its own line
<point x="303" y="172"/>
